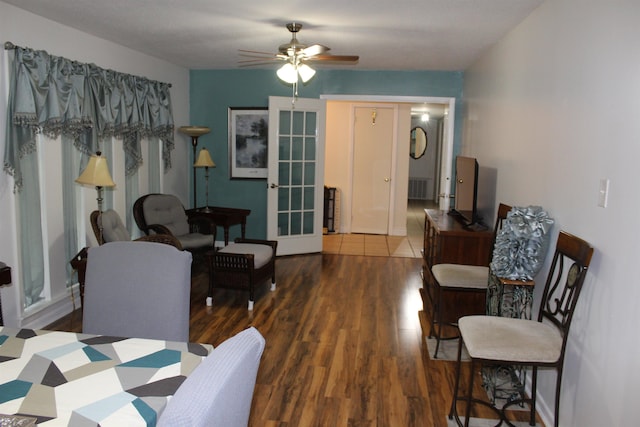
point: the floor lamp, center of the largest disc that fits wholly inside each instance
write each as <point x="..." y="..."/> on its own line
<point x="97" y="174"/>
<point x="204" y="161"/>
<point x="194" y="132"/>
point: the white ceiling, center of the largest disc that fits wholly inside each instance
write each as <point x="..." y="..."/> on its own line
<point x="206" y="34"/>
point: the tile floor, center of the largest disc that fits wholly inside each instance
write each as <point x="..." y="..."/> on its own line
<point x="380" y="245"/>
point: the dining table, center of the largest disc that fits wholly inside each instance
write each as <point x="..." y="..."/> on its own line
<point x="56" y="378"/>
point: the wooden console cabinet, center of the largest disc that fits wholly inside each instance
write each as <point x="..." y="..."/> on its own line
<point x="447" y="241"/>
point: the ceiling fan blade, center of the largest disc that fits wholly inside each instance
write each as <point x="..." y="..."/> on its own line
<point x="315" y="49"/>
<point x="256" y="52"/>
<point x="265" y="60"/>
<point x="251" y="64"/>
<point x="335" y="58"/>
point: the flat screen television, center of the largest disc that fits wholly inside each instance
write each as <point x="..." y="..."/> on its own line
<point x="475" y="202"/>
<point x="466" y="190"/>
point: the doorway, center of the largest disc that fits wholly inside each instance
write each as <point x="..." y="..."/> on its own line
<point x="339" y="154"/>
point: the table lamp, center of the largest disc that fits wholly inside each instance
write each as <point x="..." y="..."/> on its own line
<point x="97" y="174"/>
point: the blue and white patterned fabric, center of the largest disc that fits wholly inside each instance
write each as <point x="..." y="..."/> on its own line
<point x="69" y="379"/>
<point x="522" y="243"/>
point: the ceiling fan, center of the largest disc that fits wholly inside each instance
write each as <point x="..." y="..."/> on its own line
<point x="296" y="56"/>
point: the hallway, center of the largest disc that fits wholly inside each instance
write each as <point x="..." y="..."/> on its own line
<point x="380" y="245"/>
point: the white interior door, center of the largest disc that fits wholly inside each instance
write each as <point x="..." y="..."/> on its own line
<point x="372" y="171"/>
<point x="295" y="179"/>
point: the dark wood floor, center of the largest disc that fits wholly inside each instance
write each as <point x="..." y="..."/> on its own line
<point x="344" y="345"/>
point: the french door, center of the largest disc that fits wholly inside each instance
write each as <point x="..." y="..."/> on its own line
<point x="295" y="180"/>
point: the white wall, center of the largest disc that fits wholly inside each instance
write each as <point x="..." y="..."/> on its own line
<point x="28" y="30"/>
<point x="554" y="107"/>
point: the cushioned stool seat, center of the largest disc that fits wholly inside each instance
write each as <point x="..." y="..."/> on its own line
<point x="242" y="266"/>
<point x="262" y="254"/>
<point x="510" y="340"/>
<point x="461" y="276"/>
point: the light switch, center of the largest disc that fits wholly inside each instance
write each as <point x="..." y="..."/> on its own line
<point x="603" y="193"/>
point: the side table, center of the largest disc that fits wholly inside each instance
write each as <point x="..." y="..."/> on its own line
<point x="223" y="217"/>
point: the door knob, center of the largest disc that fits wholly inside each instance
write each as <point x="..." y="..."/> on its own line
<point x="387" y="180"/>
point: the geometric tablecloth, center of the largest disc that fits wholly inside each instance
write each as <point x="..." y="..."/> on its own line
<point x="71" y="379"/>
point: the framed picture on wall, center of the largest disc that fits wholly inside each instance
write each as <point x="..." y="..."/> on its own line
<point x="248" y="139"/>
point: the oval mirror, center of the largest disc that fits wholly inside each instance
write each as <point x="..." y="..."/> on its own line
<point x="418" y="142"/>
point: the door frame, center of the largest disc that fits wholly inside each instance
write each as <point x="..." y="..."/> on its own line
<point x="446" y="155"/>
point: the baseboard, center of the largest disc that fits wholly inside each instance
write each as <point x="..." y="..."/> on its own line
<point x="51" y="311"/>
<point x="398" y="231"/>
<point x="542" y="408"/>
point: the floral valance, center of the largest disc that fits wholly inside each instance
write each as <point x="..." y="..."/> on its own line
<point x="57" y="96"/>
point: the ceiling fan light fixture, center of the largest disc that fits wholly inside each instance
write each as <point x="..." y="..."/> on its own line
<point x="306" y="72"/>
<point x="288" y="73"/>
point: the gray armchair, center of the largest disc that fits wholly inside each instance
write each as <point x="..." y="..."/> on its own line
<point x="165" y="214"/>
<point x="137" y="289"/>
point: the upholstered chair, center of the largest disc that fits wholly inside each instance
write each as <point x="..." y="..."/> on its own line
<point x="108" y="227"/>
<point x="137" y="289"/>
<point x="220" y="389"/>
<point x="165" y="214"/>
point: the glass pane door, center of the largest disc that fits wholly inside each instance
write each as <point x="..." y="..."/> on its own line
<point x="296" y="175"/>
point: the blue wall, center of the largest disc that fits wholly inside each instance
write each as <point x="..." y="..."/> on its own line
<point x="212" y="92"/>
